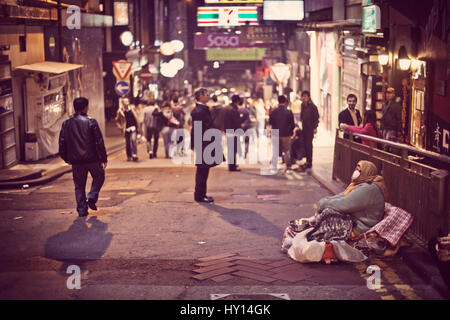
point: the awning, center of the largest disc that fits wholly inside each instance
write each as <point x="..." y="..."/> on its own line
<point x="50" y="67"/>
<point x="330" y="24"/>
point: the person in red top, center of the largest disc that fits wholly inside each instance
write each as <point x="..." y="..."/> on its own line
<point x="369" y="126"/>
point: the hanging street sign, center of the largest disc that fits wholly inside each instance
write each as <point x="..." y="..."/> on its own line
<point x="121" y="69"/>
<point x="280" y="72"/>
<point x="122" y="87"/>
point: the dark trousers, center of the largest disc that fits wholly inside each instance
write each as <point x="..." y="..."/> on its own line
<point x="233" y="142"/>
<point x="201" y="176"/>
<point x="79" y="173"/>
<point x="152" y="133"/>
<point x="308" y="140"/>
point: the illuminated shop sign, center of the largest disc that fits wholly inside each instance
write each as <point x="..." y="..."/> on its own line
<point x="226" y="16"/>
<point x="284" y="10"/>
<point x="247" y="54"/>
<point x="371" y="19"/>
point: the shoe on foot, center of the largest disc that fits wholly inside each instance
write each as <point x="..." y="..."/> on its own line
<point x="91" y="205"/>
<point x="135" y="159"/>
<point x="205" y="199"/>
<point x="82" y="214"/>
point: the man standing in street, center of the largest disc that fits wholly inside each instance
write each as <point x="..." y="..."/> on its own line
<point x="283" y="119"/>
<point x="310" y="120"/>
<point x="151" y="128"/>
<point x="127" y="121"/>
<point x="350" y="115"/>
<point x="391" y="120"/>
<point x="233" y="121"/>
<point x="81" y="145"/>
<point x="201" y="116"/>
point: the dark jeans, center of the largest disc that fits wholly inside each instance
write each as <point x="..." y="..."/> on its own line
<point x="201" y="176"/>
<point x="79" y="173"/>
<point x="152" y="133"/>
<point x="308" y="140"/>
<point x="232" y="161"/>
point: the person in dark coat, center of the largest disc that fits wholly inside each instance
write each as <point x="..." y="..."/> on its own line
<point x="310" y="121"/>
<point x="233" y="121"/>
<point x="81" y="145"/>
<point x="282" y="119"/>
<point x="201" y="115"/>
<point x="350" y="115"/>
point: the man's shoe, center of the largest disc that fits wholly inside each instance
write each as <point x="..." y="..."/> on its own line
<point x="234" y="169"/>
<point x="205" y="199"/>
<point x="135" y="159"/>
<point x="150" y="155"/>
<point x="82" y="214"/>
<point x="91" y="205"/>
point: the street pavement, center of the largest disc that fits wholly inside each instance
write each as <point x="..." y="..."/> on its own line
<point x="151" y="240"/>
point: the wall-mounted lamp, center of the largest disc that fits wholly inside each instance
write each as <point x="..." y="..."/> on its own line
<point x="383" y="58"/>
<point x="403" y="59"/>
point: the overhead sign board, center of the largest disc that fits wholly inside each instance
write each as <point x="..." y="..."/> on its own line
<point x="265" y="34"/>
<point x="226" y="16"/>
<point x="371" y="19"/>
<point x="247" y="54"/>
<point x="292" y="10"/>
<point x="234" y="1"/>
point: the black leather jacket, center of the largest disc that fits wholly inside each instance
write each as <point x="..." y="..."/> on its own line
<point x="81" y="141"/>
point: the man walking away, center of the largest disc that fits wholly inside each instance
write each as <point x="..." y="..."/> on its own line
<point x="126" y="120"/>
<point x="81" y="145"/>
<point x="283" y="119"/>
<point x="233" y="121"/>
<point x="152" y="132"/>
<point x="310" y="120"/>
<point x="350" y="115"/>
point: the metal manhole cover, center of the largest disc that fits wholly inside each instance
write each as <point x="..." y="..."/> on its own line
<point x="254" y="296"/>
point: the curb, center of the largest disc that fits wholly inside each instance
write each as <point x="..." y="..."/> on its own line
<point x="44" y="176"/>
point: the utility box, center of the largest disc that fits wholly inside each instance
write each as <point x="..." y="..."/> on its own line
<point x="31" y="151"/>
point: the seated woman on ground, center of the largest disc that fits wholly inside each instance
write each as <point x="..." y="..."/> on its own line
<point x="369" y="127"/>
<point x="364" y="199"/>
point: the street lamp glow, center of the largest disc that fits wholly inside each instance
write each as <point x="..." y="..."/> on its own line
<point x="177" y="45"/>
<point x="168" y="70"/>
<point x="167" y="49"/>
<point x="177" y="63"/>
<point x="126" y="38"/>
<point x="383" y="59"/>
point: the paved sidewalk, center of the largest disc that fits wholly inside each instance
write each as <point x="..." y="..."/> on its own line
<point x="323" y="151"/>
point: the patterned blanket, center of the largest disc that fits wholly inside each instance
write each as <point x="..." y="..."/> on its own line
<point x="331" y="225"/>
<point x="394" y="224"/>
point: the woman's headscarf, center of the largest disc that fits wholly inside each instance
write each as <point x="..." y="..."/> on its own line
<point x="369" y="174"/>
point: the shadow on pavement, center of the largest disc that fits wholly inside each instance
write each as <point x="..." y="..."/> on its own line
<point x="249" y="220"/>
<point x="80" y="243"/>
